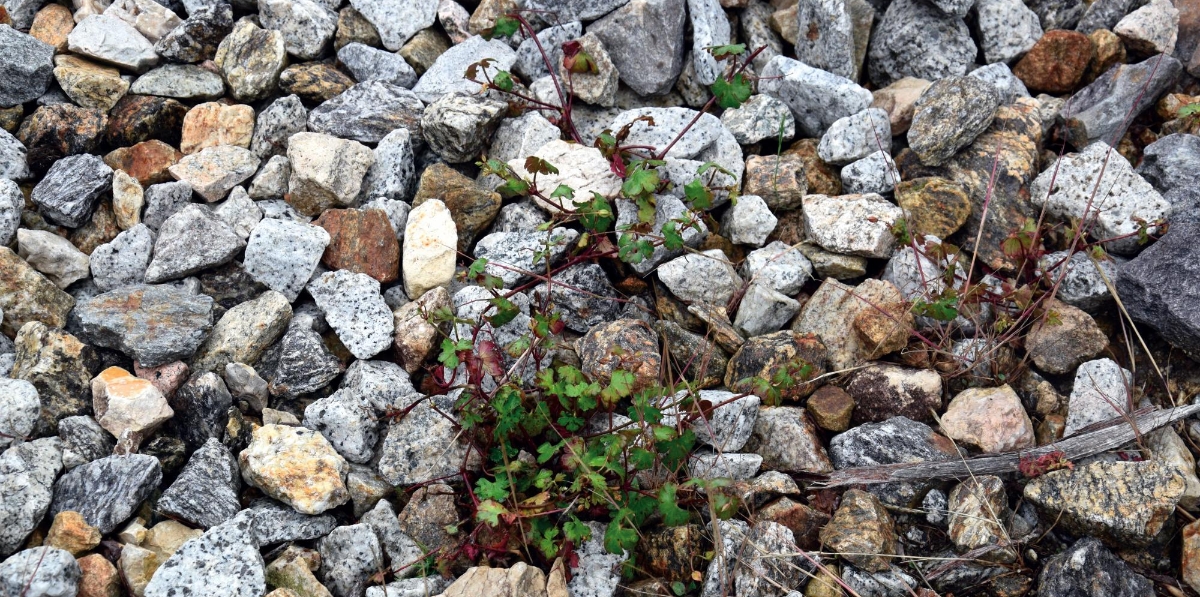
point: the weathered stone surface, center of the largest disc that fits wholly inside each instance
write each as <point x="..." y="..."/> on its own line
<point x="212" y="124"/>
<point x="251" y="58"/>
<point x="244" y="332"/>
<point x="933" y="206"/>
<point x="213" y="171"/>
<point x="863" y="530"/>
<point x="979" y="517"/>
<point x="205" y="493"/>
<point x="53" y="256"/>
<point x="583" y="295"/>
<point x="892" y="441"/>
<point x="1061" y="346"/>
<point x="949" y="116"/>
<point x="422" y="447"/>
<point x="58" y="365"/>
<point x="59" y="130"/>
<point x="800" y="452"/>
<point x="801" y="356"/>
<point x="296" y="466"/>
<point x="1126" y="503"/>
<point x="153" y="324"/>
<point x="915" y="39"/>
<point x="430" y="238"/>
<point x="1099" y="111"/>
<point x="201" y="408"/>
<point x="180" y="81"/>
<point x="626" y="345"/>
<point x="68" y="193"/>
<point x="361" y="241"/>
<point x="27" y="71"/>
<point x="817" y="98"/>
<point x="283" y="255"/>
<point x="472" y="207"/>
<point x="355" y="310"/>
<point x="369" y="111"/>
<point x="40" y="572"/>
<point x="639" y="24"/>
<point x="224" y="557"/>
<point x="107" y="491"/>
<point x="27" y="473"/>
<point x="852" y="224"/>
<point x="366" y="63"/>
<point x="88" y="84"/>
<point x="396" y="22"/>
<point x="197" y="38"/>
<point x="192" y="240"/>
<point x="1156" y="287"/>
<point x="882" y="391"/>
<point x="1089" y="564"/>
<point x="128" y="407"/>
<point x="991" y="419"/>
<point x="110" y="39"/>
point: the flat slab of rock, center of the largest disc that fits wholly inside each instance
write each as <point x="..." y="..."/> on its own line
<point x="110" y="39"/>
<point x="155" y="325"/>
<point x="223" y="562"/>
<point x="107" y="491"/>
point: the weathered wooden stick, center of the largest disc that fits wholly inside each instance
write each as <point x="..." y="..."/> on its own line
<point x="1108" y="435"/>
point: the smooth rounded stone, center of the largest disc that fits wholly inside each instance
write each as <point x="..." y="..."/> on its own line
<point x="82" y="440"/>
<point x="817" y="98"/>
<point x="19" y="410"/>
<point x="397" y="21"/>
<point x="990" y="419"/>
<point x="530" y="65"/>
<point x="778" y="266"/>
<point x="895" y="440"/>
<point x="1126" y="503"/>
<point x="949" y="116"/>
<point x="163" y="201"/>
<point x="1151" y="29"/>
<point x="368" y="111"/>
<point x="153" y="324"/>
<point x="190" y="241"/>
<point x="68" y="193"/>
<point x="1133" y="87"/>
<point x="197" y="38"/>
<point x="299" y="363"/>
<point x="1088" y="563"/>
<point x="107" y="491"/>
<point x="446" y="74"/>
<point x="307" y="26"/>
<point x="763" y="310"/>
<point x="1065" y="190"/>
<point x="283" y="255"/>
<point x="223" y="562"/>
<point x="855" y="137"/>
<point x="423" y="446"/>
<point x="1100" y="393"/>
<point x="876" y="173"/>
<point x="852" y="224"/>
<point x="1007" y="29"/>
<point x="40" y="572"/>
<point x="325" y="171"/>
<point x="250" y="59"/>
<point x="213" y="171"/>
<point x="749" y="221"/>
<point x="760" y="118"/>
<point x="53" y="256"/>
<point x="458" y="126"/>
<point x="277" y="523"/>
<point x="355" y="310"/>
<point x="350" y="555"/>
<point x="110" y="39"/>
<point x="180" y="81"/>
<point x="1002" y="78"/>
<point x="1082" y="285"/>
<point x="370" y="64"/>
<point x="13" y="163"/>
<point x="88" y="84"/>
<point x="915" y="39"/>
<point x="276" y="124"/>
<point x="582" y="168"/>
<point x="296" y="466"/>
<point x="205" y="493"/>
<point x="27" y="473"/>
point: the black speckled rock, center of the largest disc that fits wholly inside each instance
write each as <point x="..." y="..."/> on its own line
<point x="40" y="572"/>
<point x="205" y="493"/>
<point x="201" y="410"/>
<point x="197" y="38"/>
<point x="949" y="116"/>
<point x="223" y="562"/>
<point x="349" y="556"/>
<point x="68" y="193"/>
<point x="299" y="363"/>
<point x="155" y="325"/>
<point x="26" y="69"/>
<point x="914" y="39"/>
<point x="107" y="491"/>
<point x="1088" y="569"/>
<point x="367" y="112"/>
<point x="277" y="523"/>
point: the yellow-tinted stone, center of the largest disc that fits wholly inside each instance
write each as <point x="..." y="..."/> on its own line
<point x="933" y="206"/>
<point x="71" y="533"/>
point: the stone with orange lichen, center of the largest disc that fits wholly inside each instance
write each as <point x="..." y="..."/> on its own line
<point x="211" y="124"/>
<point x="153" y="324"/>
<point x="128" y="407"/>
<point x="146" y="161"/>
<point x="296" y="466"/>
<point x="71" y="533"/>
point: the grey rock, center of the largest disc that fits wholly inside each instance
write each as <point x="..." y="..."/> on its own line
<point x="852" y="224"/>
<point x="757" y="32"/>
<point x="707" y="276"/>
<point x="666" y="209"/>
<point x="876" y="173"/>
<point x="760" y="118"/>
<point x="213" y="171"/>
<point x="778" y="266"/>
<point x="346" y="419"/>
<point x="27" y="473"/>
<point x="54" y="256"/>
<point x="307" y="26"/>
<point x="271" y="182"/>
<point x="244" y="331"/>
<point x="190" y="241"/>
<point x="817" y="98"/>
<point x="243" y="382"/>
<point x="239" y="211"/>
<point x="458" y="126"/>
<point x="1100" y="393"/>
<point x="895" y="440"/>
<point x="40" y="572"/>
<point x="709" y="28"/>
<point x="518" y="251"/>
<point x="299" y="363"/>
<point x="1159" y="287"/>
<point x="69" y="191"/>
<point x="530" y="63"/>
<point x="19" y="410"/>
<point x="1083" y="283"/>
<point x="13" y="162"/>
<point x="949" y="116"/>
<point x="764" y="310"/>
<point x="275" y="124"/>
<point x="197" y="38"/>
<point x="223" y="562"/>
<point x="410" y="587"/>
<point x="1102" y="110"/>
<point x="371" y="64"/>
<point x="1171" y="162"/>
<point x="382" y="385"/>
<point x="518" y="138"/>
<point x="914" y="39"/>
<point x="83" y="440"/>
<point x="598" y="571"/>
<point x="1066" y="190"/>
<point x="831" y="48"/>
<point x="163" y="200"/>
<point x="350" y="555"/>
<point x="206" y="492"/>
<point x="397" y="214"/>
<point x="641" y="24"/>
<point x="400" y="548"/>
<point x="369" y="111"/>
<point x="355" y="310"/>
<point x="772" y="560"/>
<point x="583" y="295"/>
<point x="181" y="81"/>
<point x="251" y="59"/>
<point x="446" y="74"/>
<point x="122" y="262"/>
<point x="276" y="523"/>
<point x="721" y="575"/>
<point x="278" y="209"/>
<point x="21" y="12"/>
<point x="201" y="408"/>
<point x="576" y="10"/>
<point x="155" y="325"/>
<point x="392" y="175"/>
<point x="107" y="491"/>
<point x="1007" y="29"/>
<point x="521" y="216"/>
<point x="1103" y="14"/>
<point x="12" y="203"/>
<point x="423" y="446"/>
<point x="1007" y="85"/>
<point x="855" y="137"/>
<point x="109" y="39"/>
<point x="27" y="69"/>
<point x="1058" y="14"/>
<point x="892" y="582"/>
<point x="282" y="255"/>
<point x="749" y="221"/>
<point x="397" y="20"/>
<point x="1089" y="564"/>
<point x="707" y="140"/>
<point x="729" y="424"/>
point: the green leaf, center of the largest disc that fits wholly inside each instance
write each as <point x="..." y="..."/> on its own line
<point x="513" y="187"/>
<point x="640" y="181"/>
<point x="645" y="206"/>
<point x="506" y="311"/>
<point x="505" y="26"/>
<point x="546" y="451"/>
<point x="503" y="80"/>
<point x="945" y="308"/>
<point x="595" y="215"/>
<point x="449" y="354"/>
<point x="563" y="191"/>
<point x="697" y="194"/>
<point x="726" y="51"/>
<point x="1188" y="110"/>
<point x="678" y="588"/>
<point x="668" y="506"/>
<point x="492" y="490"/>
<point x="618" y="538"/>
<point x="489" y="512"/>
<point x="731" y="94"/>
<point x="619" y="387"/>
<point x="536" y="165"/>
<point x="672" y="240"/>
<point x="576" y="531"/>
<point x="641" y="459"/>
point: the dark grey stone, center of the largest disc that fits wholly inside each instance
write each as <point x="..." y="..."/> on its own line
<point x="275" y="124"/>
<point x="1103" y="14"/>
<point x="154" y="325"/>
<point x="27" y="67"/>
<point x="372" y="64"/>
<point x="530" y="63"/>
<point x="27" y="473"/>
<point x="459" y="126"/>
<point x="1088" y="569"/>
<point x="1102" y="110"/>
<point x="895" y="440"/>
<point x="201" y="408"/>
<point x="206" y="492"/>
<point x="1161" y="287"/>
<point x="277" y="523"/>
<point x="299" y="363"/>
<point x="1057" y="14"/>
<point x="1171" y="162"/>
<point x="68" y="193"/>
<point x="368" y="111"/>
<point x="83" y="440"/>
<point x="163" y="200"/>
<point x="192" y="240"/>
<point x="583" y="295"/>
<point x="349" y="556"/>
<point x="107" y="491"/>
<point x="197" y="38"/>
<point x="915" y="39"/>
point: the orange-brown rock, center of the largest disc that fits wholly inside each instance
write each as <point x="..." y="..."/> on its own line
<point x="146" y="161"/>
<point x="472" y="207"/>
<point x="99" y="577"/>
<point x="804" y="522"/>
<point x="831" y="408"/>
<point x="101" y="229"/>
<point x="71" y="533"/>
<point x="314" y="82"/>
<point x="1056" y="62"/>
<point x="52" y="24"/>
<point x="361" y="241"/>
<point x="211" y="124"/>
